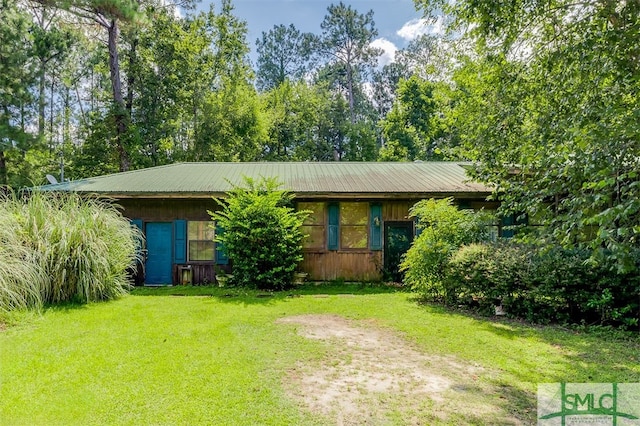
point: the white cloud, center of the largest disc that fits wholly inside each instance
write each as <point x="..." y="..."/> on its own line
<point x="367" y="88"/>
<point x="417" y="27"/>
<point x="388" y="51"/>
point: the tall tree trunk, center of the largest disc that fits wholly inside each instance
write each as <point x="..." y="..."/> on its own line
<point x="41" y="95"/>
<point x="120" y="110"/>
<point x="131" y="76"/>
<point x="350" y="89"/>
<point x="66" y="124"/>
<point x="51" y="116"/>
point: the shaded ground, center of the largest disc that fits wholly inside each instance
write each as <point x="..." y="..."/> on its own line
<point x="373" y="376"/>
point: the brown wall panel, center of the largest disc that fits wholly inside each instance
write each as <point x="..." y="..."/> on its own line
<point x="167" y="209"/>
<point x="396" y="210"/>
<point x="351" y="266"/>
<point x="200" y="274"/>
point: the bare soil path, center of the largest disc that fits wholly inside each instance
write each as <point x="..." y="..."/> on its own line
<point x="373" y="376"/>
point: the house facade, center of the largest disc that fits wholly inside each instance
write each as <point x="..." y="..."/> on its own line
<point x="358" y="230"/>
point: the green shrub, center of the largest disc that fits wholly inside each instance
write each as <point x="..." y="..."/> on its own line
<point x="444" y="229"/>
<point x="262" y="234"/>
<point x="549" y="284"/>
<point x="61" y="247"/>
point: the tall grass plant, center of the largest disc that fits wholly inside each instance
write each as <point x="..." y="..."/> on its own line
<point x="63" y="247"/>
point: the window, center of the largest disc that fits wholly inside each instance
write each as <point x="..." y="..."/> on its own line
<point x="354" y="224"/>
<point x="200" y="235"/>
<point x="313" y="226"/>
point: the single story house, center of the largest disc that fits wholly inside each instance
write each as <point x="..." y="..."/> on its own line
<point x="359" y="228"/>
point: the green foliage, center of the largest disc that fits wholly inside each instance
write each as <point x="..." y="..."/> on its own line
<point x="16" y="74"/>
<point x="262" y="235"/>
<point x="283" y="54"/>
<point x="409" y="128"/>
<point x="59" y="248"/>
<point x="444" y="229"/>
<point x="291" y="112"/>
<point x="311" y="122"/>
<point x="543" y="285"/>
<point x="346" y="43"/>
<point x="232" y="128"/>
<point x="548" y="107"/>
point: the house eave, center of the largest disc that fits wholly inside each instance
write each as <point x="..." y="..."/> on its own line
<point x="301" y="195"/>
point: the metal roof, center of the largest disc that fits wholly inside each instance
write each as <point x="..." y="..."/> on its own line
<point x="302" y="178"/>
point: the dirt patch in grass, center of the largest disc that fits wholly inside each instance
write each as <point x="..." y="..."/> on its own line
<point x="371" y="375"/>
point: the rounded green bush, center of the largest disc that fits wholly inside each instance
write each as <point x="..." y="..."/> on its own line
<point x="262" y="234"/>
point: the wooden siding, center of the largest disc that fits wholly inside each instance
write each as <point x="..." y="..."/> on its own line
<point x="167" y="209"/>
<point x="201" y="273"/>
<point x="396" y="210"/>
<point x="351" y="266"/>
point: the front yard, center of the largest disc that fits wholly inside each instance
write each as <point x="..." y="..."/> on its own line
<point x="319" y="355"/>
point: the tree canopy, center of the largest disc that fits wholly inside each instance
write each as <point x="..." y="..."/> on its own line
<point x="549" y="112"/>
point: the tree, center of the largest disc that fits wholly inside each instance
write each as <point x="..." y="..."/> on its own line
<point x="233" y="127"/>
<point x="174" y="73"/>
<point x="411" y="125"/>
<point x="551" y="116"/>
<point x="283" y="53"/>
<point x="385" y="84"/>
<point x="428" y="56"/>
<point x="15" y="77"/>
<point x="292" y="110"/>
<point x="262" y="233"/>
<point x="108" y="15"/>
<point x="345" y="41"/>
<point x="230" y="47"/>
<point x="50" y="44"/>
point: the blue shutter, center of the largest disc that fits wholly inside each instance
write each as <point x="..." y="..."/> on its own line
<point x="507" y="222"/>
<point x="138" y="224"/>
<point x="180" y="241"/>
<point x="511" y="222"/>
<point x="221" y="255"/>
<point x="333" y="228"/>
<point x="375" y="227"/>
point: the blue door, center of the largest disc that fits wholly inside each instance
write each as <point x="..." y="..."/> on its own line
<point x="159" y="255"/>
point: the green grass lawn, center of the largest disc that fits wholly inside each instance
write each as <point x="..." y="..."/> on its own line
<point x="189" y="355"/>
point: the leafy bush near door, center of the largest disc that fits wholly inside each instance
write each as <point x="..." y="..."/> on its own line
<point x="444" y="229"/>
<point x="61" y="247"/>
<point x="262" y="235"/>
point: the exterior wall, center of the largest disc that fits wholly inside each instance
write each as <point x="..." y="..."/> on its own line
<point x="167" y="209"/>
<point x="170" y="210"/>
<point x="350" y="266"/>
<point x="322" y="264"/>
<point x="397" y="210"/>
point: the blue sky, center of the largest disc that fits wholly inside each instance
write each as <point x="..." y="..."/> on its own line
<point x="397" y="21"/>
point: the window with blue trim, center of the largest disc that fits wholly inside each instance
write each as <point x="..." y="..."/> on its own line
<point x="342" y="226"/>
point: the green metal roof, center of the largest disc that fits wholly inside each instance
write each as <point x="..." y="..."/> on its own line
<point x="302" y="178"/>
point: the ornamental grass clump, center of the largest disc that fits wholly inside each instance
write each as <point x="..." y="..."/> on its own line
<point x="21" y="279"/>
<point x="62" y="247"/>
